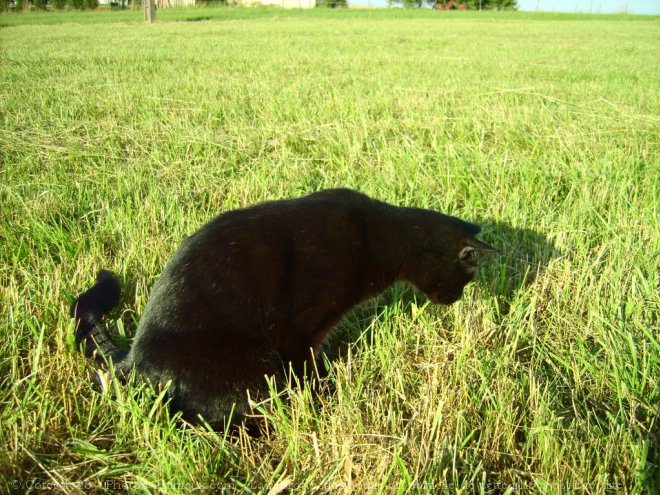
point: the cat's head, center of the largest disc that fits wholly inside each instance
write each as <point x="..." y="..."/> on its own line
<point x="445" y="257"/>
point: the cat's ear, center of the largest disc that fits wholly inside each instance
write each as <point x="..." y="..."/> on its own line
<point x="474" y="249"/>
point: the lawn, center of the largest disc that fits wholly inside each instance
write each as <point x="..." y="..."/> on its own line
<point x="118" y="139"/>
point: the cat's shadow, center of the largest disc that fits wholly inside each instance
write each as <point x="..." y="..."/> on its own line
<point x="523" y="254"/>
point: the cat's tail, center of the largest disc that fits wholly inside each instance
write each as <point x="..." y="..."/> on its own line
<point x="88" y="310"/>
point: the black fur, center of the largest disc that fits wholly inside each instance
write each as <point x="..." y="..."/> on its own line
<point x="88" y="310"/>
<point x="256" y="290"/>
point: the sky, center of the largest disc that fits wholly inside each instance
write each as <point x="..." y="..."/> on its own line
<point x="594" y="6"/>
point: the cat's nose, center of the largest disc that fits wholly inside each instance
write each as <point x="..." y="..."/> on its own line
<point x="442" y="298"/>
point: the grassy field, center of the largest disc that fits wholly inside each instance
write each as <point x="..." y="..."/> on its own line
<point x="117" y="139"/>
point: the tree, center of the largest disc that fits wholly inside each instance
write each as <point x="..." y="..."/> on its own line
<point x="333" y="4"/>
<point x="474" y="4"/>
<point x="492" y="4"/>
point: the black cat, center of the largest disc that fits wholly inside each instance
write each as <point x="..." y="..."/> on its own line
<point x="256" y="290"/>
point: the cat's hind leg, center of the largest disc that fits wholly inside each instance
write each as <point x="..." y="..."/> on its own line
<point x="220" y="384"/>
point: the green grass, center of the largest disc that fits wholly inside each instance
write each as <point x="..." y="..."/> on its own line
<point x="118" y="138"/>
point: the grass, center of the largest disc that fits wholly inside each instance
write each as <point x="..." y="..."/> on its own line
<point x="118" y="138"/>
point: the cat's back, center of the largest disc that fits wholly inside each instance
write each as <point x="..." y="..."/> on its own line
<point x="250" y="252"/>
<point x="274" y="221"/>
<point x="327" y="203"/>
